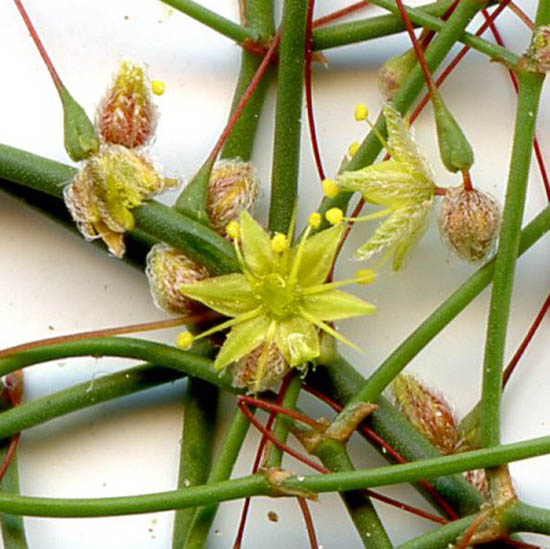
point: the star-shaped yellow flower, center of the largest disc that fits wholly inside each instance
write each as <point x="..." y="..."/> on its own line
<point x="404" y="185"/>
<point x="280" y="297"/>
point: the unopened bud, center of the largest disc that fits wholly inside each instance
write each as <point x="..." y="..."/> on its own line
<point x="232" y="189"/>
<point x="478" y="479"/>
<point x="167" y="269"/>
<point x="428" y="413"/>
<point x="245" y="370"/>
<point x="127" y="115"/>
<point x="11" y="389"/>
<point x="107" y="188"/>
<point x="538" y="54"/>
<point x="468" y="222"/>
<point x="393" y="73"/>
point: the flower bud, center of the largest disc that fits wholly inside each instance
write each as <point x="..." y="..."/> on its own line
<point x="11" y="389"/>
<point x="538" y="54"/>
<point x="232" y="189"/>
<point x="468" y="222"/>
<point x="107" y="188"/>
<point x="245" y="370"/>
<point x="429" y="414"/>
<point x="127" y="115"/>
<point x="478" y="479"/>
<point x="393" y="73"/>
<point x="167" y="269"/>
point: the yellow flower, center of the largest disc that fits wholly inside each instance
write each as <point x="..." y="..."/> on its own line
<point x="403" y="185"/>
<point x="280" y="297"/>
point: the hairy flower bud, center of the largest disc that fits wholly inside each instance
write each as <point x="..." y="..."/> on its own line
<point x="393" y="73"/>
<point x="232" y="189"/>
<point x="537" y="57"/>
<point x="468" y="222"/>
<point x="245" y="370"/>
<point x="106" y="189"/>
<point x="167" y="269"/>
<point x="127" y="115"/>
<point x="429" y="413"/>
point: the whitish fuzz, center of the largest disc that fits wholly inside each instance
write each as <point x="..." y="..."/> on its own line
<point x="232" y="189"/>
<point x="468" y="222"/>
<point x="127" y="115"/>
<point x="167" y="269"/>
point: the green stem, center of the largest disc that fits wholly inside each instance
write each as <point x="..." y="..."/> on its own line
<point x="530" y="86"/>
<point x="124" y="347"/>
<point x="221" y="470"/>
<point x="211" y="19"/>
<point x="200" y="405"/>
<point x="288" y="115"/>
<point x="13" y="530"/>
<point x="447" y="311"/>
<point x="158" y="221"/>
<point x="334" y="456"/>
<point x="256" y="485"/>
<point x="445" y="536"/>
<point x="274" y="455"/>
<point x="522" y="517"/>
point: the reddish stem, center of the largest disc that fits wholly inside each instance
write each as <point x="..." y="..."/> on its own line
<point x="467" y="181"/>
<point x="469" y="534"/>
<point x="119" y="330"/>
<point x="339" y="13"/>
<point x="36" y="39"/>
<point x="522" y="15"/>
<point x="309" y="95"/>
<point x="275" y="408"/>
<point x="526" y="340"/>
<point x="9" y="455"/>
<point x="309" y="523"/>
<point x="430" y="34"/>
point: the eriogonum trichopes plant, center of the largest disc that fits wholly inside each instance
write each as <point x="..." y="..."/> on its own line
<point x="105" y="190"/>
<point x="403" y="185"/>
<point x="281" y="297"/>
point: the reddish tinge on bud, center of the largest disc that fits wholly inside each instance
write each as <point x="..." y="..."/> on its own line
<point x="245" y="370"/>
<point x="127" y="115"/>
<point x="167" y="269"/>
<point x="232" y="189"/>
<point x="538" y="54"/>
<point x="428" y="413"/>
<point x="468" y="222"/>
<point x="11" y="389"/>
<point x="394" y="72"/>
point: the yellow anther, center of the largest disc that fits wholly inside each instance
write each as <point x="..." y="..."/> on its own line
<point x="352" y="149"/>
<point x="233" y="230"/>
<point x="279" y="243"/>
<point x="334" y="216"/>
<point x="314" y="220"/>
<point x="184" y="340"/>
<point x="330" y="188"/>
<point x="361" y="112"/>
<point x="365" y="276"/>
<point x="157" y="87"/>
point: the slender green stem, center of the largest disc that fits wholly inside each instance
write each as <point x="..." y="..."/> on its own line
<point x="522" y="517"/>
<point x="286" y="144"/>
<point x="13" y="529"/>
<point x="530" y="86"/>
<point x="274" y="455"/>
<point x="446" y="312"/>
<point x="445" y="536"/>
<point x="124" y="347"/>
<point x="200" y="406"/>
<point x="258" y="485"/>
<point x="221" y="470"/>
<point x="211" y="19"/>
<point x="334" y="456"/>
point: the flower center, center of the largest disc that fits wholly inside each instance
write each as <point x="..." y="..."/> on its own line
<point x="277" y="295"/>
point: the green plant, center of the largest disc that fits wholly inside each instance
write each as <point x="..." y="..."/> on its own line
<point x="109" y="210"/>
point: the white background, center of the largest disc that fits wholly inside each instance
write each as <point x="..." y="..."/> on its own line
<point x="53" y="283"/>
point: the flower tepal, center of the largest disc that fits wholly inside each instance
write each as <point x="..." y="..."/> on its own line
<point x="280" y="298"/>
<point x="403" y="185"/>
<point x="106" y="189"/>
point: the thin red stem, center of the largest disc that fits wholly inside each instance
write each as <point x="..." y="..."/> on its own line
<point x="36" y="39"/>
<point x="9" y="455"/>
<point x="257" y="460"/>
<point x="119" y="330"/>
<point x="522" y="15"/>
<point x="275" y="408"/>
<point x="430" y="34"/>
<point x="467" y="181"/>
<point x="526" y="340"/>
<point x="309" y="523"/>
<point x="469" y="534"/>
<point x="309" y="94"/>
<point x="339" y="13"/>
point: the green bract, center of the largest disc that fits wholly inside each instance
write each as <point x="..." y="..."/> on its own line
<point x="404" y="185"/>
<point x="280" y="297"/>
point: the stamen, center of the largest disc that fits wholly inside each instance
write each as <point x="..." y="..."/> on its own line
<point x="314" y="220"/>
<point x="361" y="112"/>
<point x="369" y="217"/>
<point x="334" y="216"/>
<point x="330" y="188"/>
<point x="298" y="259"/>
<point x="157" y="87"/>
